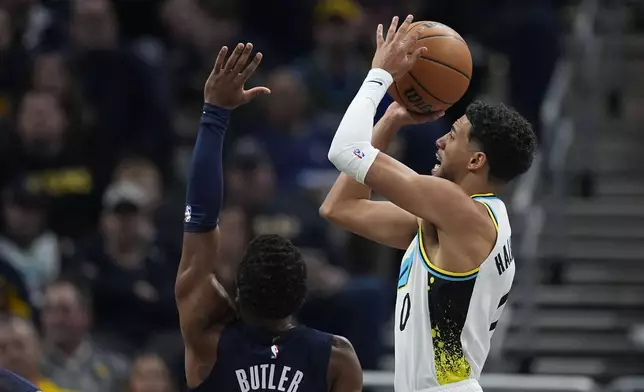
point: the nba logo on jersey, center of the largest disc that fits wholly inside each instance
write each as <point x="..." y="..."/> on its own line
<point x="187" y="215"/>
<point x="358" y="153"/>
<point x="274" y="351"/>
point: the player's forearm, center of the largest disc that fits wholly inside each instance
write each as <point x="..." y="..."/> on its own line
<point x="352" y="150"/>
<point x="346" y="188"/>
<point x="204" y="194"/>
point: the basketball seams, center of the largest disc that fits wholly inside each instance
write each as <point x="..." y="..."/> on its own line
<point x="434" y="31"/>
<point x="432" y="36"/>
<point x="411" y="75"/>
<point x="425" y="58"/>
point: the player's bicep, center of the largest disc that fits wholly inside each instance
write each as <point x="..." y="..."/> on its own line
<point x="434" y="199"/>
<point x="344" y="366"/>
<point x="202" y="301"/>
<point x="380" y="221"/>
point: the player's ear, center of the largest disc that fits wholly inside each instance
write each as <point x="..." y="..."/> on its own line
<point x="477" y="160"/>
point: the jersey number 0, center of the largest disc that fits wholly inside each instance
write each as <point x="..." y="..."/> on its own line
<point x="405" y="310"/>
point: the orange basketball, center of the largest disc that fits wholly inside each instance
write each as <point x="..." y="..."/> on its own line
<point x="440" y="76"/>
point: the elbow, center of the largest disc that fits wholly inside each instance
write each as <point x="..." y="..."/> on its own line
<point x="331" y="211"/>
<point x="333" y="155"/>
<point x="326" y="210"/>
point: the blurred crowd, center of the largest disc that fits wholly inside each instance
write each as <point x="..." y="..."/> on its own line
<point x="99" y="106"/>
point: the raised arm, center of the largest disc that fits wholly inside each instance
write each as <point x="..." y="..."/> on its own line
<point x="348" y="203"/>
<point x="201" y="300"/>
<point x="352" y="151"/>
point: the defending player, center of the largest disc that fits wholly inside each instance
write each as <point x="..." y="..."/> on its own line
<point x="251" y="344"/>
<point x="458" y="269"/>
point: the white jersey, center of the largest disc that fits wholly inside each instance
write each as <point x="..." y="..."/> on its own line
<point x="445" y="320"/>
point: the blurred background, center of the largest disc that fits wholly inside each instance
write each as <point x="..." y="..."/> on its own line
<point x="99" y="107"/>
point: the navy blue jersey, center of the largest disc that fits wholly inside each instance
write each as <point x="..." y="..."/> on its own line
<point x="250" y="359"/>
<point x="10" y="382"/>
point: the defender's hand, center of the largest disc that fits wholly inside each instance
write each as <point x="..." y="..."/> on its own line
<point x="225" y="85"/>
<point x="404" y="117"/>
<point x="394" y="53"/>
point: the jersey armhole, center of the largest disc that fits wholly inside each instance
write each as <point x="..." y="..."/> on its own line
<point x="490" y="212"/>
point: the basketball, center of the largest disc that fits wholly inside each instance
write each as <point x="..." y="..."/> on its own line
<point x="440" y="76"/>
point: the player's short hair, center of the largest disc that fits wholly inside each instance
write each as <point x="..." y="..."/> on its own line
<point x="506" y="138"/>
<point x="271" y="278"/>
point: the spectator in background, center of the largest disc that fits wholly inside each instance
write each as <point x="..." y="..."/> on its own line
<point x="132" y="280"/>
<point x="51" y="74"/>
<point x="130" y="109"/>
<point x="145" y="174"/>
<point x="196" y="30"/>
<point x="166" y="208"/>
<point x="251" y="185"/>
<point x="295" y="139"/>
<point x="14" y="67"/>
<point x="335" y="70"/>
<point x="150" y="374"/>
<point x="56" y="162"/>
<point x="25" y="241"/>
<point x="20" y="352"/>
<point x="71" y="358"/>
<point x="15" y="299"/>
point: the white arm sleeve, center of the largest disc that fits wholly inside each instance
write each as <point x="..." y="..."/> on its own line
<point x="351" y="151"/>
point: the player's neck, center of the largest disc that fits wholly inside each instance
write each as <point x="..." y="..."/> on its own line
<point x="276" y="326"/>
<point x="476" y="185"/>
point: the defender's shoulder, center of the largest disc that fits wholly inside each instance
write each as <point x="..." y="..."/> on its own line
<point x="342" y="351"/>
<point x="341" y="343"/>
<point x="345" y="372"/>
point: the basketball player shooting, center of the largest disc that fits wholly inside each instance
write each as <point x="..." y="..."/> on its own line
<point x="456" y="274"/>
<point x="250" y="343"/>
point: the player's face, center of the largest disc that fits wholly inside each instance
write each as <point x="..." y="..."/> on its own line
<point x="453" y="151"/>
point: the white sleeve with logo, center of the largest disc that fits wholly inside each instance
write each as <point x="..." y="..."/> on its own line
<point x="351" y="151"/>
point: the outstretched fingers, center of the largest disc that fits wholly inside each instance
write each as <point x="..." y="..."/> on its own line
<point x="219" y="63"/>
<point x="404" y="28"/>
<point x="391" y="33"/>
<point x="248" y="71"/>
<point x="243" y="59"/>
<point x="380" y="40"/>
<point x="232" y="60"/>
